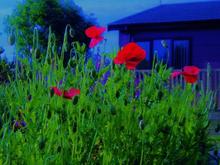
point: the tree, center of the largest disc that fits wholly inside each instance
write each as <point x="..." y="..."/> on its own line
<point x="42" y="14"/>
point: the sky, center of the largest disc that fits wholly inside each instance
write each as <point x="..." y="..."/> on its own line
<point x="104" y="10"/>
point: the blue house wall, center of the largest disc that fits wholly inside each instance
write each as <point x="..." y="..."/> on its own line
<point x="204" y="43"/>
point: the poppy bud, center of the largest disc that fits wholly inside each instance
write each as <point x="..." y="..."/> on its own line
<point x="72" y="32"/>
<point x="169" y="111"/>
<point x="29" y="97"/>
<point x="82" y="110"/>
<point x="63" y="116"/>
<point x="94" y="74"/>
<point x="126" y="102"/>
<point x="136" y="162"/>
<point x="72" y="63"/>
<point x="51" y="93"/>
<point x="122" y="128"/>
<point x="49" y="61"/>
<point x="74" y="127"/>
<point x="59" y="149"/>
<point x="197" y="87"/>
<point x="113" y="110"/>
<point x="140" y="117"/>
<point x="141" y="124"/>
<point x="20" y="115"/>
<point x="182" y="122"/>
<point x="160" y="95"/>
<point x="42" y="143"/>
<point x="75" y="100"/>
<point x="117" y="95"/>
<point x="37" y="53"/>
<point x="99" y="110"/>
<point x="166" y="129"/>
<point x="49" y="114"/>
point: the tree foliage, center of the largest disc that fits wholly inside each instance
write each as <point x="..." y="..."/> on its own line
<point x="42" y="14"/>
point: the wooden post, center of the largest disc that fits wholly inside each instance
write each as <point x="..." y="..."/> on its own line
<point x="208" y="77"/>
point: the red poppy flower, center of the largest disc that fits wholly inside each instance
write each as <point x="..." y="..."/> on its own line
<point x="94" y="33"/>
<point x="56" y="91"/>
<point x="71" y="93"/>
<point x="190" y="73"/>
<point x="130" y="55"/>
<point x="175" y="74"/>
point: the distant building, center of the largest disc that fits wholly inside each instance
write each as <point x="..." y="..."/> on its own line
<point x="190" y="32"/>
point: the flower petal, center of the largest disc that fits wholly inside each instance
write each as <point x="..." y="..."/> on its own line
<point x="131" y="54"/>
<point x="95" y="41"/>
<point x="191" y="70"/>
<point x="56" y="91"/>
<point x="71" y="93"/>
<point x="190" y="78"/>
<point x="94" y="31"/>
<point x="175" y="74"/>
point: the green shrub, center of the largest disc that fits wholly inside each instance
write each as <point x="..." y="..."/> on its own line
<point x="105" y="124"/>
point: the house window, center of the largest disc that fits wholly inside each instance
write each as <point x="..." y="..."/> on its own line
<point x="163" y="50"/>
<point x="181" y="55"/>
<point x="145" y="63"/>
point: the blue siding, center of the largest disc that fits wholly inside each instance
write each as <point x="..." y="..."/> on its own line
<point x="205" y="44"/>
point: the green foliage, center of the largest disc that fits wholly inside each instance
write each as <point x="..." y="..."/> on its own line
<point x="105" y="124"/>
<point x="42" y="14"/>
<point x="6" y="71"/>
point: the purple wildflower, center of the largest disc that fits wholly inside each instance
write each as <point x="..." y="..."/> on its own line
<point x="137" y="93"/>
<point x="105" y="77"/>
<point x="23" y="123"/>
<point x="17" y="124"/>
